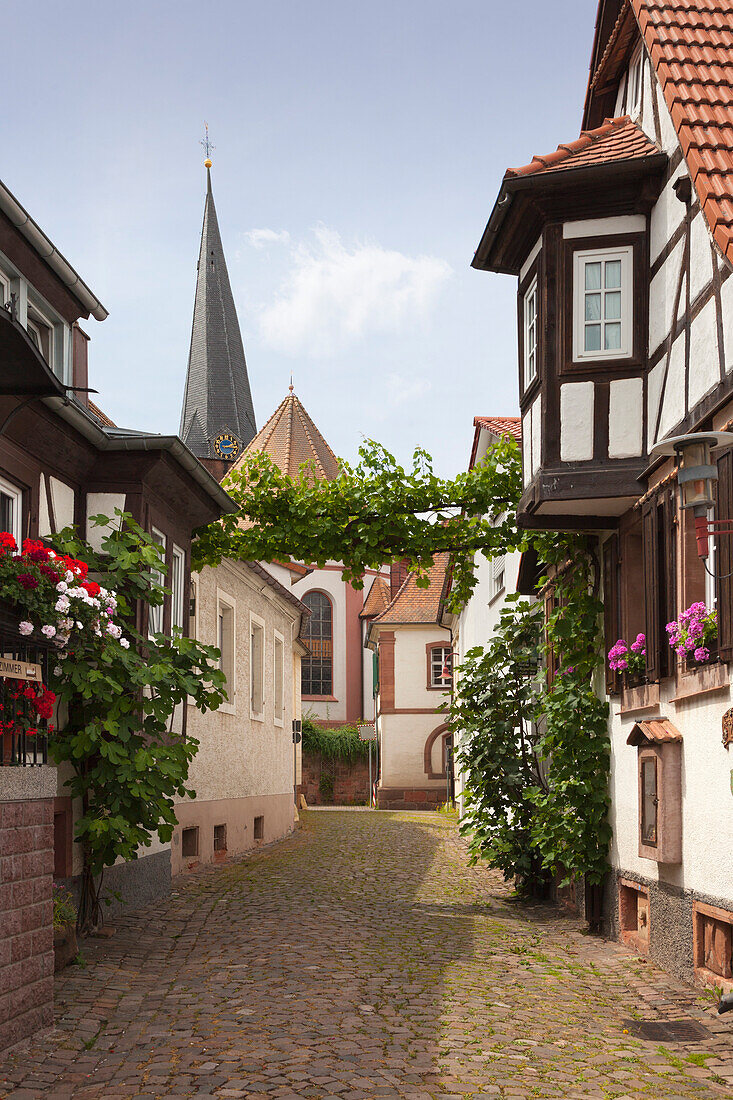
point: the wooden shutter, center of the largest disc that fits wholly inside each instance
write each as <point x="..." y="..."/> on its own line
<point x="724" y="557"/>
<point x="667" y="570"/>
<point x="611" y="609"/>
<point x="650" y="554"/>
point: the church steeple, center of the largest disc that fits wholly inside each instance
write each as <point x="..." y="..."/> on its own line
<point x="218" y="418"/>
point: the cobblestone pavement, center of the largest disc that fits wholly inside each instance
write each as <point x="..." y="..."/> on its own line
<point x="363" y="958"/>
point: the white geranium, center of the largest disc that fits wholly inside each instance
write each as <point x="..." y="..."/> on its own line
<point x="25" y="628"/>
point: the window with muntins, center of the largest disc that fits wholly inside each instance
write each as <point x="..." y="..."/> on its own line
<point x="530" y="335"/>
<point x="441" y="666"/>
<point x="603" y="304"/>
<point x="178" y="579"/>
<point x="317" y="668"/>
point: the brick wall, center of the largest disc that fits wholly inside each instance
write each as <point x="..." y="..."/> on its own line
<point x="26" y="916"/>
<point x="351" y="781"/>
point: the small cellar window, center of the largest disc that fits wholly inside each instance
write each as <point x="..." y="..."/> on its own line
<point x="220" y="838"/>
<point x="259" y="828"/>
<point x="190" y="842"/>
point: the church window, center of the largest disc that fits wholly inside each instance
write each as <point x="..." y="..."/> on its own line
<point x="317" y="668"/>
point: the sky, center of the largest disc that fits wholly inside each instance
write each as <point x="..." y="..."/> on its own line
<point x="359" y="148"/>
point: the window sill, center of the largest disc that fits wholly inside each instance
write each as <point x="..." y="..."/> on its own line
<point x="319" y="698"/>
<point x="279" y="723"/>
<point x="256" y="717"/>
<point x="227" y="708"/>
<point x="704" y="680"/>
<point x="497" y="595"/>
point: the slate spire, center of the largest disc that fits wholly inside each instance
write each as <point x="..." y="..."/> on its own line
<point x="217" y="401"/>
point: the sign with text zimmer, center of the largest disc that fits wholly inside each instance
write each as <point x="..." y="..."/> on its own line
<point x="20" y="670"/>
<point x="367" y="733"/>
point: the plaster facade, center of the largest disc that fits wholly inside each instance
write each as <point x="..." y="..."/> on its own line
<point x="246" y="766"/>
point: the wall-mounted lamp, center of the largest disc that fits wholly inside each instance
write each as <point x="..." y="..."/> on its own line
<point x="696" y="473"/>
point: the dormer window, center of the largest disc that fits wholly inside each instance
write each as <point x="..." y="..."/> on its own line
<point x="603" y="304"/>
<point x="530" y="334"/>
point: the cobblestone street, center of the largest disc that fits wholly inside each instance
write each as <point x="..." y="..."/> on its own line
<point x="363" y="958"/>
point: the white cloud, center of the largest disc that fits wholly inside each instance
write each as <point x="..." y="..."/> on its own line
<point x="261" y="238"/>
<point x="400" y="389"/>
<point x="334" y="295"/>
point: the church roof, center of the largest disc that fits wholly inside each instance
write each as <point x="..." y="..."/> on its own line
<point x="217" y="397"/>
<point x="418" y="605"/>
<point x="377" y="599"/>
<point x="291" y="438"/>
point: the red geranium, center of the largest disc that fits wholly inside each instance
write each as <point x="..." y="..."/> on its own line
<point x="78" y="568"/>
<point x="28" y="581"/>
<point x="7" y="542"/>
<point x="92" y="587"/>
<point x="49" y="571"/>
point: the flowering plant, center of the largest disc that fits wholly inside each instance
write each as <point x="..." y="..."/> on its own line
<point x="55" y="594"/>
<point x="693" y="632"/>
<point x="625" y="658"/>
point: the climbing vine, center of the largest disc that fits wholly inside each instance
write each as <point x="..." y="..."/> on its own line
<point x="343" y="743"/>
<point x="127" y="765"/>
<point x="492" y="719"/>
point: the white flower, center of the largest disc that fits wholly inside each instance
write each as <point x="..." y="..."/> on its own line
<point x="68" y="576"/>
<point x="25" y="627"/>
<point x="62" y="586"/>
<point x="48" y="630"/>
<point x="79" y="626"/>
<point x="65" y="625"/>
<point x="63" y="603"/>
<point x="57" y="670"/>
<point x="113" y="630"/>
<point x="124" y="643"/>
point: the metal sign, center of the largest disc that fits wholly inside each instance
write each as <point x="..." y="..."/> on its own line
<point x="367" y="733"/>
<point x="20" y="670"/>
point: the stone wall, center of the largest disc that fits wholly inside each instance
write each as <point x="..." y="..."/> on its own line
<point x="350" y="781"/>
<point x="26" y="902"/>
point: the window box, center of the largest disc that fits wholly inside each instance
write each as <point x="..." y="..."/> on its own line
<point x="692" y="665"/>
<point x="659" y="753"/>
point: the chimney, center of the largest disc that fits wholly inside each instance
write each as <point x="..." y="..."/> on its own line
<point x="80" y="362"/>
<point x="397" y="575"/>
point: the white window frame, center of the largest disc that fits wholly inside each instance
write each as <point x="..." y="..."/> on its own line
<point x="256" y="623"/>
<point x="5" y="290"/>
<point x="581" y="259"/>
<point x="634" y="82"/>
<point x="529" y="373"/>
<point x="444" y="685"/>
<point x="278" y="689"/>
<point x="178" y="588"/>
<point x="498" y="575"/>
<point x="16" y="495"/>
<point x="156" y="615"/>
<point x="226" y="620"/>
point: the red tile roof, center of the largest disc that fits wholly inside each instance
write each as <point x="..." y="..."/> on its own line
<point x="291" y="438"/>
<point x="500" y="425"/>
<point x="418" y="605"/>
<point x="690" y="43"/>
<point x="617" y="139"/>
<point x="377" y="599"/>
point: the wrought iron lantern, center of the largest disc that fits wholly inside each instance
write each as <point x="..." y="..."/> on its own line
<point x="696" y="474"/>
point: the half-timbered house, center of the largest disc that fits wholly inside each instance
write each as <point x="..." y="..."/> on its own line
<point x="63" y="461"/>
<point x="622" y="244"/>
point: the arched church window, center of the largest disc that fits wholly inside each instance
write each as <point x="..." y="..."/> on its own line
<point x="317" y="668"/>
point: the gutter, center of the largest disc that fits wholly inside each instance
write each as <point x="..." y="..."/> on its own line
<point x="28" y="228"/>
<point x="115" y="440"/>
